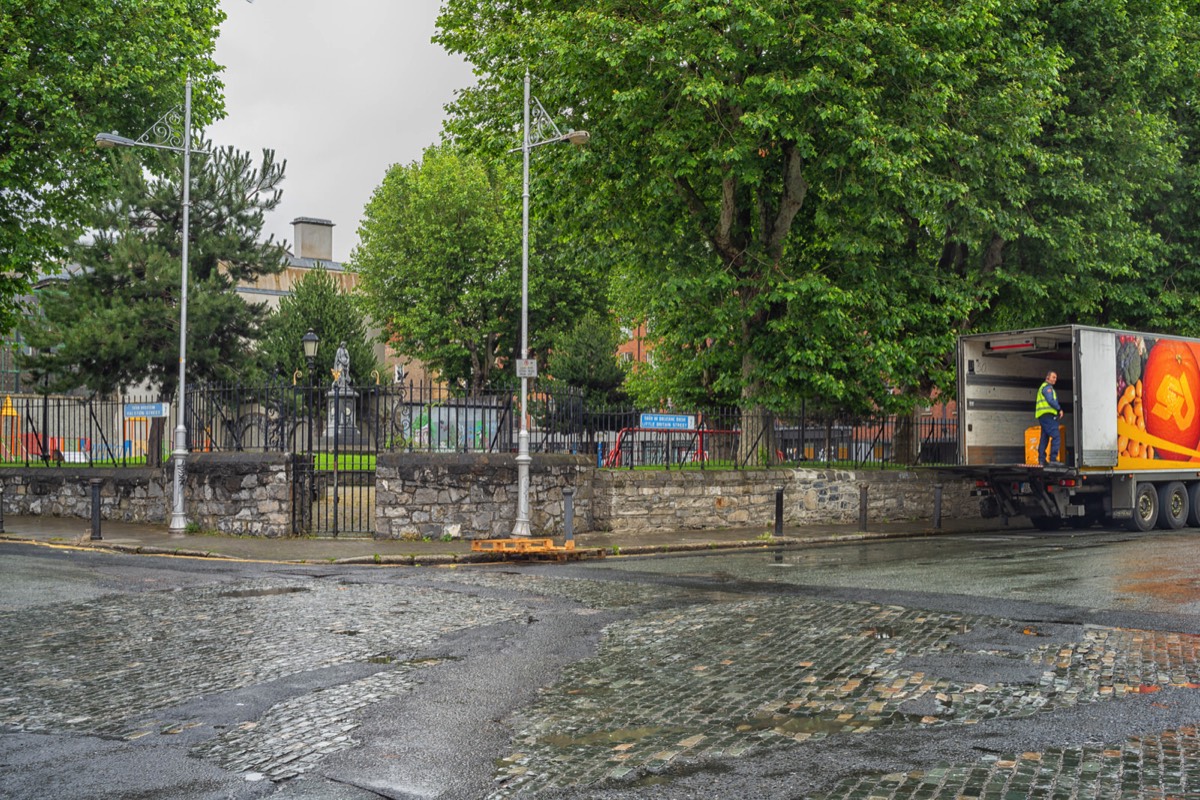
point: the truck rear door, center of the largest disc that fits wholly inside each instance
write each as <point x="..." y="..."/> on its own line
<point x="1095" y="397"/>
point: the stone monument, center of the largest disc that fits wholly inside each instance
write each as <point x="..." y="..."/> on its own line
<point x="341" y="422"/>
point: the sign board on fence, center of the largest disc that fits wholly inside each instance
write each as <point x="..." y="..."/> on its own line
<point x="668" y="421"/>
<point x="526" y="367"/>
<point x="145" y="410"/>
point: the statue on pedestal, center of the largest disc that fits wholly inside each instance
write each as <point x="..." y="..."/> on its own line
<point x="341" y="368"/>
<point x="341" y="424"/>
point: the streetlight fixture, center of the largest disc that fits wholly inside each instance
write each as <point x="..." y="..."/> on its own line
<point x="310" y="341"/>
<point x="165" y="135"/>
<point x="546" y="133"/>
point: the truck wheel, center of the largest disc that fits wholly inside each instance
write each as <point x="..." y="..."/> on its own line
<point x="1046" y="523"/>
<point x="1145" y="508"/>
<point x="1173" y="506"/>
<point x="1193" y="491"/>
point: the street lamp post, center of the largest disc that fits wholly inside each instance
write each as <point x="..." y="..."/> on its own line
<point x="546" y="133"/>
<point x="169" y="138"/>
<point x="309" y="342"/>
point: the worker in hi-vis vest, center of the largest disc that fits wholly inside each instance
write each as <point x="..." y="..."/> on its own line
<point x="1048" y="413"/>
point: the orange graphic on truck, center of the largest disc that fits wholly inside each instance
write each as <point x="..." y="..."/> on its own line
<point x="1158" y="385"/>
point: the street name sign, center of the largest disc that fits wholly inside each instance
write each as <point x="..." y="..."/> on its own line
<point x="133" y="410"/>
<point x="674" y="422"/>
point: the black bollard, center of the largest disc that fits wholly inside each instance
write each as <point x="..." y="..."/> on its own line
<point x="1" y="508"/>
<point x="862" y="507"/>
<point x="937" y="506"/>
<point x="96" y="508"/>
<point x="569" y="513"/>
<point x="778" y="520"/>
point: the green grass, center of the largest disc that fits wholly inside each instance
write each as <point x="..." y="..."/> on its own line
<point x="37" y="463"/>
<point x="345" y="461"/>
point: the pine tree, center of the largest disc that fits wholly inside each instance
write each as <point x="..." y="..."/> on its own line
<point x="316" y="305"/>
<point x="115" y="323"/>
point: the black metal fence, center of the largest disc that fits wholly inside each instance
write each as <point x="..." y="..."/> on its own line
<point x="425" y="417"/>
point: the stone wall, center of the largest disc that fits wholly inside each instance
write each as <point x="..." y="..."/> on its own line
<point x="128" y="495"/>
<point x="626" y="500"/>
<point x="475" y="496"/>
<point x="240" y="493"/>
<point x="249" y="494"/>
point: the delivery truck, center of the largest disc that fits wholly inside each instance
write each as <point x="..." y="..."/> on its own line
<point x="1130" y="451"/>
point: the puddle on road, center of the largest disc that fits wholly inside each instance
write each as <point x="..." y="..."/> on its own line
<point x="264" y="592"/>
<point x="791" y="725"/>
<point x="662" y="778"/>
<point x="1165" y="583"/>
<point x="619" y="736"/>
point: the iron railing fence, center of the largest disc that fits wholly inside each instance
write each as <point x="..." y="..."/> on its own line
<point x="426" y="417"/>
<point x="67" y="430"/>
<point x="411" y="417"/>
<point x="728" y="438"/>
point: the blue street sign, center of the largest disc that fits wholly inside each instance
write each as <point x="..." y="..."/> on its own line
<point x="145" y="410"/>
<point x="668" y="421"/>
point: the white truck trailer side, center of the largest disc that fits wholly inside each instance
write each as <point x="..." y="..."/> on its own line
<point x="1131" y="443"/>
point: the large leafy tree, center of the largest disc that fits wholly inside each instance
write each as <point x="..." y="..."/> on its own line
<point x="804" y="153"/>
<point x="317" y="305"/>
<point x="69" y="70"/>
<point x="115" y="323"/>
<point x="811" y="199"/>
<point x="1101" y="225"/>
<point x="440" y="259"/>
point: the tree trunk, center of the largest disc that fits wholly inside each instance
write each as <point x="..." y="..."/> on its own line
<point x="757" y="444"/>
<point x="906" y="440"/>
<point x="154" y="447"/>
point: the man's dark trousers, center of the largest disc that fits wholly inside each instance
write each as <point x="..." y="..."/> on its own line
<point x="1049" y="423"/>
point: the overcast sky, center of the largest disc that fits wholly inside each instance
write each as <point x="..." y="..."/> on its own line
<point x="342" y="89"/>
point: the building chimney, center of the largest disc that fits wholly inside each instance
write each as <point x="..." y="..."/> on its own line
<point x="314" y="238"/>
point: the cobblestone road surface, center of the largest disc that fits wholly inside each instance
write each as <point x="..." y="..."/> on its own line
<point x="688" y="678"/>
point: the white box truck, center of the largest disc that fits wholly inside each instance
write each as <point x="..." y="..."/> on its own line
<point x="1131" y="430"/>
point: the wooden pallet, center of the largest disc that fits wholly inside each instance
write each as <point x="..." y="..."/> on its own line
<point x="533" y="548"/>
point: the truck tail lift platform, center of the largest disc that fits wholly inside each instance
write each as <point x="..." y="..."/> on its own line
<point x="534" y="548"/>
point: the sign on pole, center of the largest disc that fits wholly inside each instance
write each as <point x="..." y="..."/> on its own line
<point x="526" y="367"/>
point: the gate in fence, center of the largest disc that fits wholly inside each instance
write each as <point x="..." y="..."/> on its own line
<point x="333" y="475"/>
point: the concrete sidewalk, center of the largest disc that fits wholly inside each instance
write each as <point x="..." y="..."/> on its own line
<point x="156" y="540"/>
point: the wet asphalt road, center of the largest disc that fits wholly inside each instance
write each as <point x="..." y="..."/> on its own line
<point x="997" y="665"/>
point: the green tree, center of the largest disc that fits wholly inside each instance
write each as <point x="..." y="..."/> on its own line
<point x="801" y="146"/>
<point x="440" y="260"/>
<point x="69" y="70"/>
<point x="813" y="198"/>
<point x="585" y="358"/>
<point x="316" y="305"/>
<point x="115" y="323"/>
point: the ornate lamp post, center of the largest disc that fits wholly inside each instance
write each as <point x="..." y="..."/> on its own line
<point x="165" y="135"/>
<point x="546" y="132"/>
<point x="309" y="342"/>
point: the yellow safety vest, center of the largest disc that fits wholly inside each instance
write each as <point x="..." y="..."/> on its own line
<point x="1043" y="405"/>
